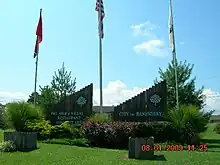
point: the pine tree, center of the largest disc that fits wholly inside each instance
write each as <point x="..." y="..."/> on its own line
<point x="62" y="83"/>
<point x="31" y="98"/>
<point x="47" y="96"/>
<point x="186" y="85"/>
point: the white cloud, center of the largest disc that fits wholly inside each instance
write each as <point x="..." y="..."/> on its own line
<point x="152" y="47"/>
<point x="143" y="29"/>
<point x="212" y="100"/>
<point x="182" y="43"/>
<point x="117" y="92"/>
<point x="6" y="97"/>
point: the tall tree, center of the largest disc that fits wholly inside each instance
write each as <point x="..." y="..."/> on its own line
<point x="2" y="107"/>
<point x="186" y="85"/>
<point x="62" y="83"/>
<point x="47" y="96"/>
<point x="31" y="98"/>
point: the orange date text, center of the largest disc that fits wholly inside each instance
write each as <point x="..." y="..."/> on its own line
<point x="201" y="147"/>
<point x="147" y="148"/>
<point x="158" y="147"/>
<point x="174" y="147"/>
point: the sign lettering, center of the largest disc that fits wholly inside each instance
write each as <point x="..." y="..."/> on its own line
<point x="139" y="114"/>
<point x="71" y="117"/>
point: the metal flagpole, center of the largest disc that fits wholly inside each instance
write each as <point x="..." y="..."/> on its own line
<point x="100" y="61"/>
<point x="35" y="82"/>
<point x="176" y="80"/>
<point x="36" y="51"/>
<point x="174" y="58"/>
<point x="100" y="72"/>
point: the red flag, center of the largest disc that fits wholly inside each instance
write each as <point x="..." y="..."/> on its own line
<point x="39" y="34"/>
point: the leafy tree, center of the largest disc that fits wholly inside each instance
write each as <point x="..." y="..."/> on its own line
<point x="2" y="107"/>
<point x="188" y="94"/>
<point x="62" y="83"/>
<point x="48" y="96"/>
<point x="31" y="98"/>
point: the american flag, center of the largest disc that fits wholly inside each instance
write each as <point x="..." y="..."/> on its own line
<point x="101" y="14"/>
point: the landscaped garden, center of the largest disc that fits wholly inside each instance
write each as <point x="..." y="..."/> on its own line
<point x="56" y="154"/>
<point x="91" y="142"/>
<point x="99" y="139"/>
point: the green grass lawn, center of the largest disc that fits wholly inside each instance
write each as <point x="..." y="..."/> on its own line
<point x="53" y="154"/>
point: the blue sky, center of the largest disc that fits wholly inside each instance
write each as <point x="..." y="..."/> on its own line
<point x="131" y="56"/>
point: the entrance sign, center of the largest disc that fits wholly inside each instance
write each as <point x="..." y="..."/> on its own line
<point x="75" y="109"/>
<point x="150" y="105"/>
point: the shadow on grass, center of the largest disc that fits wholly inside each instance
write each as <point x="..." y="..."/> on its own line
<point x="210" y="141"/>
<point x="160" y="158"/>
<point x="156" y="158"/>
<point x="28" y="150"/>
<point x="213" y="151"/>
<point x="212" y="144"/>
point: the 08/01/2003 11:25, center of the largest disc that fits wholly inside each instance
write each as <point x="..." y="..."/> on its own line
<point x="173" y="147"/>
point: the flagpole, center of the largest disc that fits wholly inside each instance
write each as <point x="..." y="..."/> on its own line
<point x="100" y="63"/>
<point x="38" y="41"/>
<point x="100" y="73"/>
<point x="176" y="80"/>
<point x="175" y="61"/>
<point x="35" y="82"/>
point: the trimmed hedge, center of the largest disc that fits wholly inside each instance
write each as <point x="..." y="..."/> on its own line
<point x="116" y="134"/>
<point x="47" y="131"/>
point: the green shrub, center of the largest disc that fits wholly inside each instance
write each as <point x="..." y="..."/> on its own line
<point x="7" y="146"/>
<point x="99" y="117"/>
<point x="189" y="114"/>
<point x="191" y="122"/>
<point x="17" y="113"/>
<point x="47" y="131"/>
<point x="217" y="128"/>
<point x="116" y="134"/>
<point x="66" y="130"/>
<point x="162" y="131"/>
<point x="42" y="127"/>
<point x="76" y="142"/>
<point x="1" y="120"/>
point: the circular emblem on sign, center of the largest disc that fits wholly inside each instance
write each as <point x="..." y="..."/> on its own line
<point x="155" y="99"/>
<point x="81" y="101"/>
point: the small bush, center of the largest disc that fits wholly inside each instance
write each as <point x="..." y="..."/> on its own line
<point x="162" y="131"/>
<point x="99" y="117"/>
<point x="189" y="114"/>
<point x="76" y="142"/>
<point x="217" y="128"/>
<point x="65" y="130"/>
<point x="190" y="121"/>
<point x="42" y="127"/>
<point x="17" y="113"/>
<point x="47" y="131"/>
<point x="116" y="134"/>
<point x="7" y="146"/>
